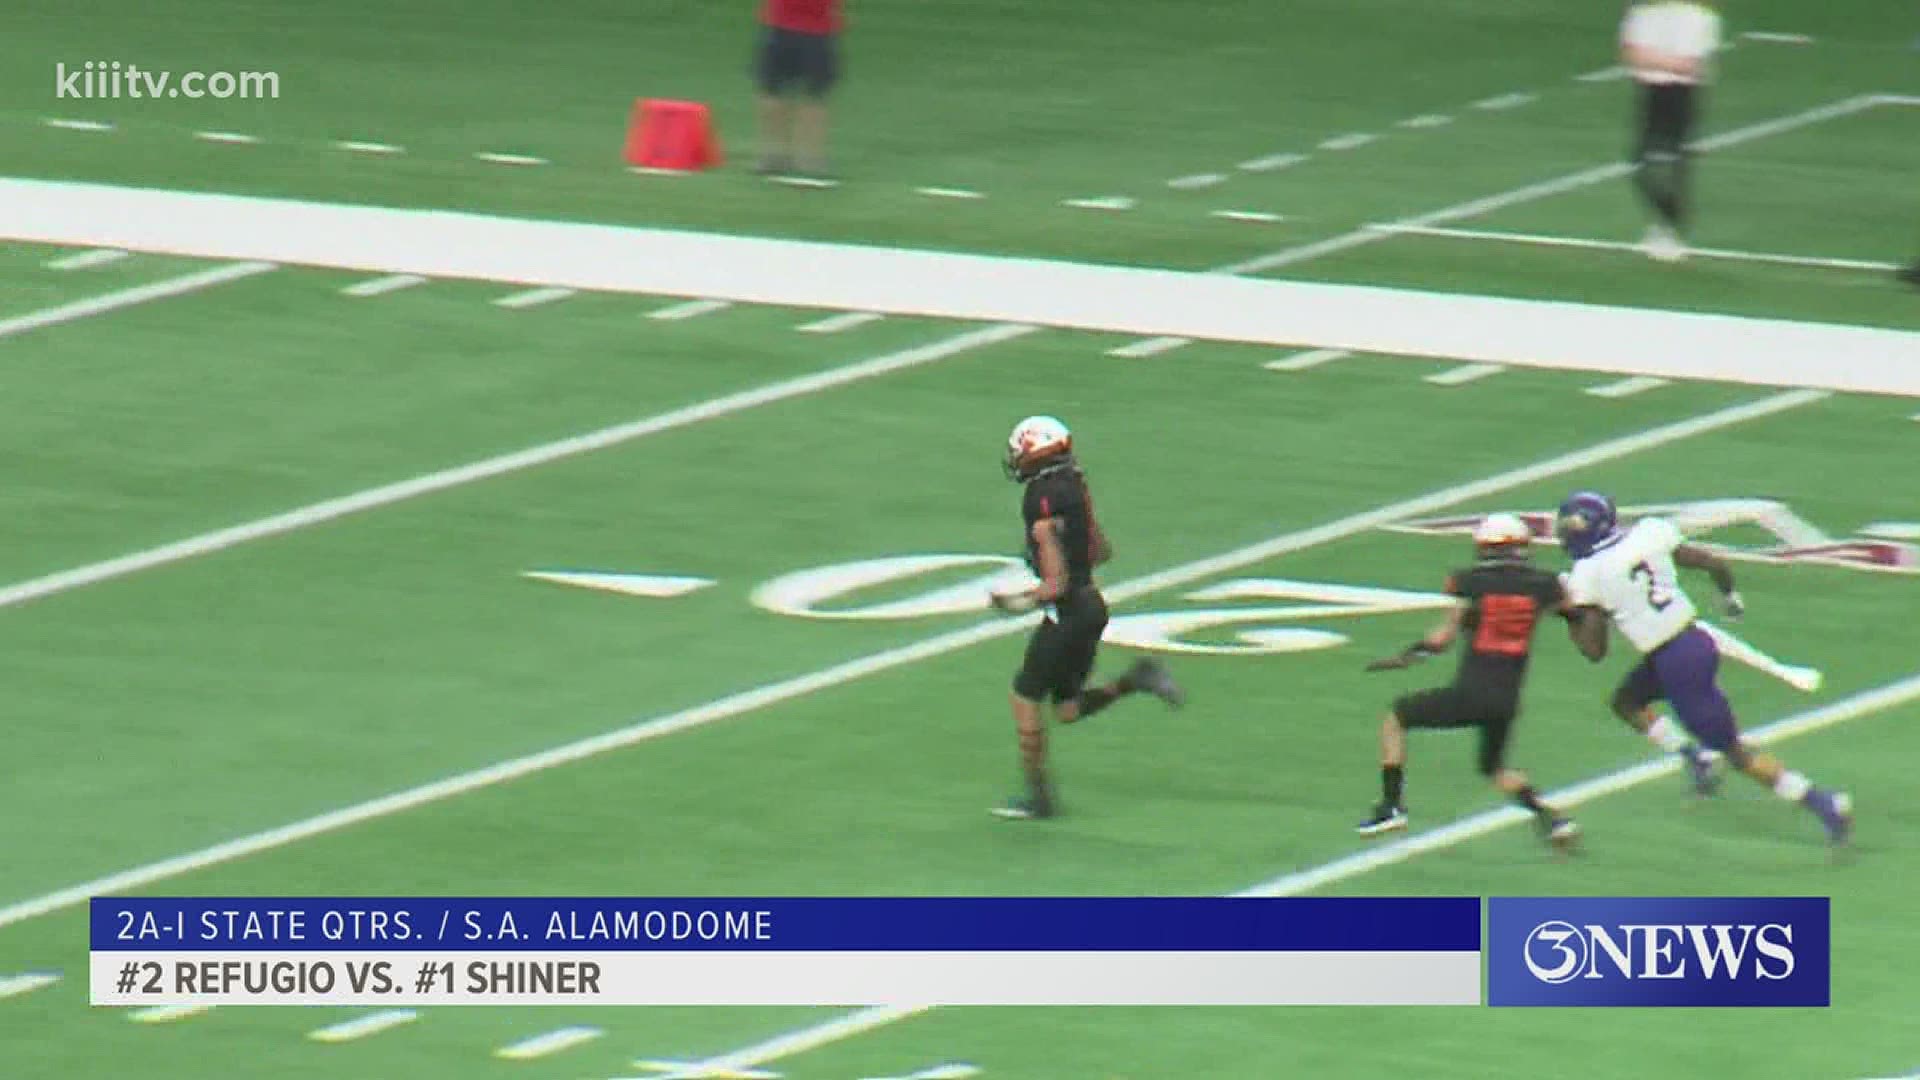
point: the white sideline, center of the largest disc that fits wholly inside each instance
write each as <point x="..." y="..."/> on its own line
<point x="388" y="494"/>
<point x="1139" y="302"/>
<point x="888" y="659"/>
<point x="139" y="294"/>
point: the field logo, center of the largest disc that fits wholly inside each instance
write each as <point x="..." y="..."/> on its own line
<point x="1687" y="951"/>
<point x="1880" y="547"/>
<point x="920" y="586"/>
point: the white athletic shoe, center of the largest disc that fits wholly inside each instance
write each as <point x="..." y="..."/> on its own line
<point x="1662" y="245"/>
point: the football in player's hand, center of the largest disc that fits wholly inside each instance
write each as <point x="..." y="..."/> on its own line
<point x="1016" y="603"/>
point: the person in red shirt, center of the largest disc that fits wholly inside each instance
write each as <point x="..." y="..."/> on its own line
<point x="798" y="63"/>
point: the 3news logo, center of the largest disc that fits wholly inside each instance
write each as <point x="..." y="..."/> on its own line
<point x="1642" y="951"/>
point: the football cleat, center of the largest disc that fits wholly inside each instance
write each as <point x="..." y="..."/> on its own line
<point x="1836" y="813"/>
<point x="1663" y="245"/>
<point x="1700" y="770"/>
<point x="1023" y="809"/>
<point x="1153" y="677"/>
<point x="1384" y="819"/>
<point x="1563" y="833"/>
<point x="1034" y="443"/>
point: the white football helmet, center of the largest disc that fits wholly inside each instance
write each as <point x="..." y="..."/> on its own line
<point x="1033" y="441"/>
<point x="1501" y="532"/>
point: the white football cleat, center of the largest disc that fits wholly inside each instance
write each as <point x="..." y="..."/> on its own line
<point x="1663" y="245"/>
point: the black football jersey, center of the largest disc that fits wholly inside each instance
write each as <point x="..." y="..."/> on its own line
<point x="1505" y="601"/>
<point x="1061" y="493"/>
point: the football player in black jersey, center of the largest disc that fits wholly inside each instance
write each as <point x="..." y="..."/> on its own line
<point x="1063" y="545"/>
<point x="1503" y="596"/>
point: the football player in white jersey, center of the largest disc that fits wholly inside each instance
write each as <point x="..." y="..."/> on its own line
<point x="1633" y="576"/>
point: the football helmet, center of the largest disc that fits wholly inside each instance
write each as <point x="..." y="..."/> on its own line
<point x="1035" y="443"/>
<point x="1502" y="535"/>
<point x="1587" y="519"/>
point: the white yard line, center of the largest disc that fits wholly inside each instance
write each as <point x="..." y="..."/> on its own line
<point x="1271" y="162"/>
<point x="798" y="1041"/>
<point x="1104" y="202"/>
<point x="1866" y="703"/>
<point x="1584" y="243"/>
<point x="834" y="324"/>
<point x="692" y="309"/>
<point x="1260" y="216"/>
<point x="167" y="1014"/>
<point x="355" y="146"/>
<point x="1354" y="141"/>
<point x="1197" y="181"/>
<point x="430" y="483"/>
<point x="1777" y="38"/>
<point x="1465" y="373"/>
<point x="548" y="1044"/>
<point x="232" y="137"/>
<point x="1301" y="361"/>
<point x="1610" y="74"/>
<point x="1425" y="121"/>
<point x="1638" y="384"/>
<point x="139" y="294"/>
<point x="86" y="260"/>
<point x="1505" y="101"/>
<point x="15" y="985"/>
<point x="384" y="284"/>
<point x="1156" y="346"/>
<point x="79" y="125"/>
<point x="760" y="697"/>
<point x="1545" y="188"/>
<point x="949" y="193"/>
<point x="361" y="1027"/>
<point x="533" y="297"/>
<point x="495" y="158"/>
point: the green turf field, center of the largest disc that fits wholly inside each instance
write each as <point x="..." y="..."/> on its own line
<point x="162" y="708"/>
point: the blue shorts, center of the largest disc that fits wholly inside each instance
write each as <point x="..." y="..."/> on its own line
<point x="1686" y="673"/>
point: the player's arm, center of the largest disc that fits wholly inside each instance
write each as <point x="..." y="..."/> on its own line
<point x="1717" y="567"/>
<point x="1102" y="549"/>
<point x="1587" y="626"/>
<point x="1053" y="572"/>
<point x="1436" y="641"/>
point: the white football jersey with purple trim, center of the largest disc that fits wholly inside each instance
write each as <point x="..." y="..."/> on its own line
<point x="1632" y="577"/>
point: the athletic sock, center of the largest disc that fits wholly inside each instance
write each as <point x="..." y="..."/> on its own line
<point x="1668" y="736"/>
<point x="1392" y="779"/>
<point x="1033" y="759"/>
<point x="1099" y="697"/>
<point x="1530" y="799"/>
<point x="1792" y="786"/>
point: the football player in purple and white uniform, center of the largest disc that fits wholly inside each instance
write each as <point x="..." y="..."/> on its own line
<point x="1632" y="575"/>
